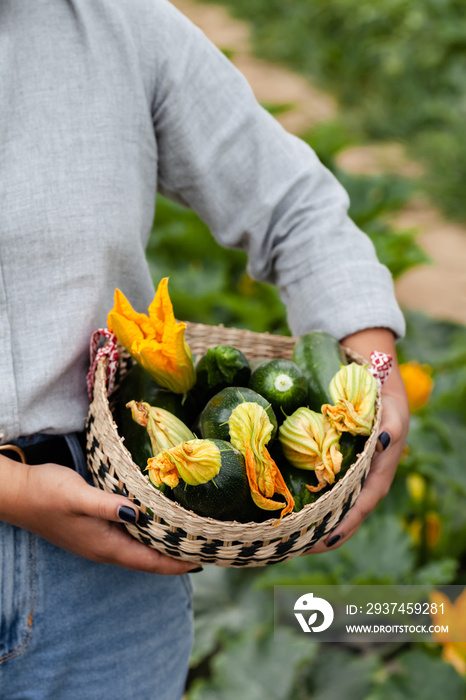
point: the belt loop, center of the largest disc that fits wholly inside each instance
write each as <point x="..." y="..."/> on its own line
<point x="74" y="443"/>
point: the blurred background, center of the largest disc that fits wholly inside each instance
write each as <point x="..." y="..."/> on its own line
<point x="379" y="91"/>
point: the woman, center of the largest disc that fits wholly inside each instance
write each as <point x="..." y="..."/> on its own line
<point x="103" y="103"/>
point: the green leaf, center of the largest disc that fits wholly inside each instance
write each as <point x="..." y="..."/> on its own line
<point x="336" y="673"/>
<point x="421" y="676"/>
<point x="224" y="605"/>
<point x="208" y="283"/>
<point x="440" y="344"/>
<point x="437" y="572"/>
<point x="254" y="668"/>
<point x="398" y="250"/>
<point x="229" y="53"/>
<point x="380" y="552"/>
<point x="278" y="108"/>
<point x="374" y="195"/>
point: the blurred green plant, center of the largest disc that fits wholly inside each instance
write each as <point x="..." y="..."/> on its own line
<point x="209" y="284"/>
<point x="373" y="198"/>
<point x="396" y="67"/>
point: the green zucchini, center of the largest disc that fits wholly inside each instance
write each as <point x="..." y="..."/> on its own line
<point x="350" y="447"/>
<point x="225" y="497"/>
<point x="213" y="422"/>
<point x="282" y="383"/>
<point x="219" y="367"/>
<point x="319" y="356"/>
<point x="296" y="480"/>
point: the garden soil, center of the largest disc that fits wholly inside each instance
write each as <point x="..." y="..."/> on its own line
<point x="439" y="288"/>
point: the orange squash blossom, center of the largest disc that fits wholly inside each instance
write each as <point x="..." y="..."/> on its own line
<point x="418" y="383"/>
<point x="155" y="341"/>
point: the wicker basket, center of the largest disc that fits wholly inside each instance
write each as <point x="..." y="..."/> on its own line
<point x="171" y="529"/>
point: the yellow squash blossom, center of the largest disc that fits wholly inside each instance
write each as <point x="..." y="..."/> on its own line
<point x="353" y="391"/>
<point x="164" y="429"/>
<point x="417" y="487"/>
<point x="155" y="341"/>
<point x="310" y="442"/>
<point x="418" y="383"/>
<point x="250" y="432"/>
<point x="454" y="615"/>
<point x="432" y="527"/>
<point x="195" y="461"/>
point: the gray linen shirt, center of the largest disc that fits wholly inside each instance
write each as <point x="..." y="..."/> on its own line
<point x="101" y="103"/>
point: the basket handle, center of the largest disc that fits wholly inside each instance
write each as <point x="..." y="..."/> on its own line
<point x="103" y="343"/>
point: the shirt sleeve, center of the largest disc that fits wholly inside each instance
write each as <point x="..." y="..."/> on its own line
<point x="262" y="189"/>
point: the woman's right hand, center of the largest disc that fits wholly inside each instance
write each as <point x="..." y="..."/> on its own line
<point x="57" y="504"/>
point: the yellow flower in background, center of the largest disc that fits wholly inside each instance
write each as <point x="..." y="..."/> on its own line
<point x="418" y="383"/>
<point x="417" y="487"/>
<point x="454" y="615"/>
<point x="432" y="526"/>
<point x="353" y="391"/>
<point x="155" y="341"/>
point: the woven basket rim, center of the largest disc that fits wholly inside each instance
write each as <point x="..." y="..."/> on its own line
<point x="174" y="515"/>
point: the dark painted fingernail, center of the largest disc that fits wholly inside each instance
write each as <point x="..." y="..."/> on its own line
<point x="127" y="514"/>
<point x="195" y="571"/>
<point x="333" y="540"/>
<point x="385" y="439"/>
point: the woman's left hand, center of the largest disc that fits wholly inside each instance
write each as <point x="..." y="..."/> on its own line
<point x="392" y="438"/>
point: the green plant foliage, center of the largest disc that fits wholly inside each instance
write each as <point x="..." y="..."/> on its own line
<point x="396" y="67"/>
<point x="417" y="675"/>
<point x="254" y="668"/>
<point x="337" y="673"/>
<point x="278" y="108"/>
<point x="233" y="630"/>
<point x="440" y="344"/>
<point x="226" y="605"/>
<point x="372" y="200"/>
<point x="209" y="284"/>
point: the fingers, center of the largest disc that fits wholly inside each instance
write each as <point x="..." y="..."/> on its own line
<point x="120" y="548"/>
<point x="375" y="488"/>
<point x="392" y="436"/>
<point x="98" y="513"/>
<point x="383" y="441"/>
<point x="88" y="500"/>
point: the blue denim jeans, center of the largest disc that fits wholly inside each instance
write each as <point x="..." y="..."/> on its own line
<point x="73" y="629"/>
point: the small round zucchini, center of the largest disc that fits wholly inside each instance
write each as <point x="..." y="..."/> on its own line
<point x="224" y="497"/>
<point x="282" y="383"/>
<point x="214" y="418"/>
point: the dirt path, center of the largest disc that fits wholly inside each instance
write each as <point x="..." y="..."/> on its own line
<point x="438" y="289"/>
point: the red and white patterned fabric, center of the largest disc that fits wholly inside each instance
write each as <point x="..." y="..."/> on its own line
<point x="381" y="366"/>
<point x="97" y="351"/>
